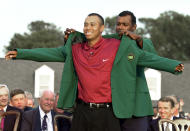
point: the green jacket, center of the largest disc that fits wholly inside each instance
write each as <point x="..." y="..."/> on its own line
<point x="125" y="98"/>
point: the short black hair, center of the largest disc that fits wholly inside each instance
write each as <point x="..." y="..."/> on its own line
<point x="16" y="92"/>
<point x="125" y="13"/>
<point x="99" y="16"/>
<point x="167" y="99"/>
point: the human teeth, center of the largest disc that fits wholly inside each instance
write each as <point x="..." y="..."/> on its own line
<point x="88" y="33"/>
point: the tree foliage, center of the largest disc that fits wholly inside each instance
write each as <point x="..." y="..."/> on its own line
<point x="170" y="33"/>
<point x="41" y="34"/>
<point x="110" y="23"/>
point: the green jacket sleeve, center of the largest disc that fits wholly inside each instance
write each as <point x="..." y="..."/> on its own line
<point x="42" y="54"/>
<point x="154" y="61"/>
<point x="148" y="46"/>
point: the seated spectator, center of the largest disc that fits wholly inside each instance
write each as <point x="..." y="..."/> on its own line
<point x="62" y="124"/>
<point x="30" y="99"/>
<point x="166" y="111"/>
<point x="7" y="123"/>
<point x="40" y="118"/>
<point x="155" y="109"/>
<point x="19" y="100"/>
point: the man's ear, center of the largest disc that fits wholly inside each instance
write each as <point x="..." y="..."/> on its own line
<point x="134" y="27"/>
<point x="173" y="110"/>
<point x="102" y="28"/>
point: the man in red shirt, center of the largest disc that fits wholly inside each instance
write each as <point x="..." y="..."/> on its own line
<point x="93" y="62"/>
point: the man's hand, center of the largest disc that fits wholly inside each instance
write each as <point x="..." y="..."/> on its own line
<point x="179" y="68"/>
<point x="10" y="55"/>
<point x="67" y="33"/>
<point x="135" y="37"/>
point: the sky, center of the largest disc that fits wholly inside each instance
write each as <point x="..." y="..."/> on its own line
<point x="15" y="15"/>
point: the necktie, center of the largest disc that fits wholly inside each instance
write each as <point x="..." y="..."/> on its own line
<point x="44" y="123"/>
<point x="2" y="120"/>
<point x="167" y="127"/>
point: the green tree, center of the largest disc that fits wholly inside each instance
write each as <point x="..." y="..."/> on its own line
<point x="41" y="34"/>
<point x="110" y="23"/>
<point x="170" y="33"/>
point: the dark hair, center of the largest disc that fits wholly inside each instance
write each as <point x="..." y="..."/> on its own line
<point x="125" y="13"/>
<point x="16" y="92"/>
<point x="167" y="99"/>
<point x="99" y="16"/>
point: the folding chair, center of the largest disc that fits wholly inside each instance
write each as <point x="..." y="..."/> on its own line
<point x="56" y="117"/>
<point x="161" y="121"/>
<point x="182" y="124"/>
<point x="3" y="114"/>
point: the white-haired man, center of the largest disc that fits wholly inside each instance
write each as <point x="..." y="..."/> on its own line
<point x="7" y="123"/>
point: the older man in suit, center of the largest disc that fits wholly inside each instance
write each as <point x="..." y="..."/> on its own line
<point x="40" y="118"/>
<point x="8" y="122"/>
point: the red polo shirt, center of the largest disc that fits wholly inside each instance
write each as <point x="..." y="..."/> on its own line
<point x="93" y="66"/>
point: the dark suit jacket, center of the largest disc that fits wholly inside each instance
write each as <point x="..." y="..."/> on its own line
<point x="31" y="120"/>
<point x="10" y="119"/>
<point x="154" y="124"/>
<point x="27" y="108"/>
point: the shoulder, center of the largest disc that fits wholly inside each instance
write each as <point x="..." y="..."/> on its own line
<point x="154" y="121"/>
<point x="31" y="112"/>
<point x="27" y="108"/>
<point x="111" y="41"/>
<point x="147" y="42"/>
<point x="11" y="108"/>
<point x="76" y="44"/>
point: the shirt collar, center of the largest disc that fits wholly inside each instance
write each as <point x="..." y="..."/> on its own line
<point x="5" y="109"/>
<point x="95" y="46"/>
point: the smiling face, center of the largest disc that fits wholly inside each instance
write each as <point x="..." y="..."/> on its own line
<point x="4" y="97"/>
<point x="124" y="23"/>
<point x="46" y="101"/>
<point x="165" y="110"/>
<point x="93" y="29"/>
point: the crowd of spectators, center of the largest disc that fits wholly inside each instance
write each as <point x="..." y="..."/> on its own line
<point x="33" y="117"/>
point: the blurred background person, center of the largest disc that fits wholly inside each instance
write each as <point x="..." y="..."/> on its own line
<point x="177" y="112"/>
<point x="30" y="99"/>
<point x="19" y="100"/>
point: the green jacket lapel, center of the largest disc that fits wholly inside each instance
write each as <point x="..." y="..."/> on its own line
<point x="125" y="42"/>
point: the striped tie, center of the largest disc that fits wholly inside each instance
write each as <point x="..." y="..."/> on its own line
<point x="44" y="123"/>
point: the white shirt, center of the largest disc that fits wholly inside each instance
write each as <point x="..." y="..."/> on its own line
<point x="5" y="109"/>
<point x="48" y="119"/>
<point x="170" y="125"/>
